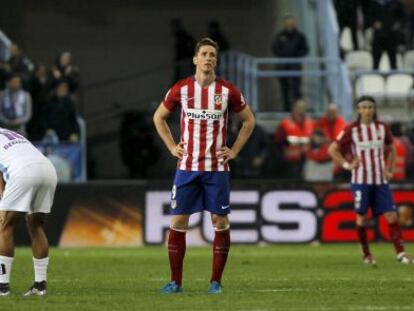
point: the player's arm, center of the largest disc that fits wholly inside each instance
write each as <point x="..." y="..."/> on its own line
<point x="390" y="158"/>
<point x="248" y="122"/>
<point x="390" y="153"/>
<point x="160" y="121"/>
<point x="335" y="153"/>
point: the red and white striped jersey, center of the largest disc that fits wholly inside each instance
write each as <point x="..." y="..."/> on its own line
<point x="204" y="114"/>
<point x="367" y="142"/>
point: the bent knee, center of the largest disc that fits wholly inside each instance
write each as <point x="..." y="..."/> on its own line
<point x="8" y="220"/>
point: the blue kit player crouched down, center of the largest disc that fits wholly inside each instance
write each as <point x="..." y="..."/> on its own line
<point x="202" y="178"/>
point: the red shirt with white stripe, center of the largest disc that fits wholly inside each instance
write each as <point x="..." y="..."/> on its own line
<point x="204" y="115"/>
<point x="367" y="142"/>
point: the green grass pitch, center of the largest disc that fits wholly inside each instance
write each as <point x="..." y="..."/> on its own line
<point x="281" y="277"/>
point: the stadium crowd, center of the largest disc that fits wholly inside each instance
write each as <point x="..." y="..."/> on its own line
<point x="39" y="102"/>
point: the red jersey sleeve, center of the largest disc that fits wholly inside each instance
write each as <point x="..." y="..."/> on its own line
<point x="344" y="138"/>
<point x="172" y="98"/>
<point x="388" y="139"/>
<point x="236" y="100"/>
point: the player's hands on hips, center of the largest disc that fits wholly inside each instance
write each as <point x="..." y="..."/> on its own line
<point x="388" y="173"/>
<point x="349" y="166"/>
<point x="179" y="150"/>
<point x="226" y="154"/>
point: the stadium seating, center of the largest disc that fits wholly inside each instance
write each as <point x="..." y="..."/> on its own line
<point x="397" y="88"/>
<point x="371" y="84"/>
<point x="409" y="60"/>
<point x="384" y="64"/>
<point x="346" y="40"/>
<point x="358" y="60"/>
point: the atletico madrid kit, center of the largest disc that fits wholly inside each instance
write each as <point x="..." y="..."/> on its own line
<point x="369" y="185"/>
<point x="202" y="179"/>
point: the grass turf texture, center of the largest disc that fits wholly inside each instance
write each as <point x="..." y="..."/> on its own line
<point x="282" y="277"/>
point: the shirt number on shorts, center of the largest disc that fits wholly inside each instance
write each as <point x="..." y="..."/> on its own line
<point x="173" y="192"/>
<point x="358" y="199"/>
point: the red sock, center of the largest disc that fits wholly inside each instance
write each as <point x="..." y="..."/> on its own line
<point x="176" y="252"/>
<point x="221" y="247"/>
<point x="362" y="236"/>
<point x="395" y="235"/>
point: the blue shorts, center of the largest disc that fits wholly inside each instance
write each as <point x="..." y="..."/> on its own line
<point x="376" y="197"/>
<point x="194" y="192"/>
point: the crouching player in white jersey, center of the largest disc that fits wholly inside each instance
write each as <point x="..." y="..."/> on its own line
<point x="28" y="186"/>
<point x="202" y="178"/>
<point x="370" y="143"/>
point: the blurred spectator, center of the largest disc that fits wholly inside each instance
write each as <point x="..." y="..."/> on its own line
<point x="15" y="106"/>
<point x="5" y="73"/>
<point x="348" y="17"/>
<point x="387" y="17"/>
<point x="138" y="148"/>
<point x="290" y="43"/>
<point x="404" y="149"/>
<point x="331" y="123"/>
<point x="60" y="114"/>
<point x="366" y="10"/>
<point x="21" y="65"/>
<point x="250" y="161"/>
<point x="39" y="91"/>
<point x="409" y="13"/>
<point x="214" y="32"/>
<point x="319" y="165"/>
<point x="293" y="137"/>
<point x="183" y="50"/>
<point x="63" y="69"/>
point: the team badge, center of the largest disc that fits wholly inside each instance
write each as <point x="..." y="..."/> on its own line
<point x="218" y="100"/>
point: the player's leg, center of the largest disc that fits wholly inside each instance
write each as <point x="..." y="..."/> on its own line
<point x="40" y="248"/>
<point x="361" y="204"/>
<point x="177" y="248"/>
<point x="44" y="186"/>
<point x="185" y="200"/>
<point x="8" y="220"/>
<point x="221" y="247"/>
<point x="361" y="225"/>
<point x="216" y="186"/>
<point x="384" y="205"/>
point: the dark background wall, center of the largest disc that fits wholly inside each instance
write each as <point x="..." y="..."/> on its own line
<point x="113" y="39"/>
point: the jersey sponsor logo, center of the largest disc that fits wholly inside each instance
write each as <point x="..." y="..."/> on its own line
<point x="204" y="114"/>
<point x="368" y="145"/>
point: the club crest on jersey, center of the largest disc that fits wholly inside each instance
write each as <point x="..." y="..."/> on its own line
<point x="218" y="101"/>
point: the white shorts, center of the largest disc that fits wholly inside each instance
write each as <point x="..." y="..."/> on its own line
<point x="30" y="190"/>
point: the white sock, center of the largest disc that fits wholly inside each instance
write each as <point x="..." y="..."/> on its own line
<point x="5" y="268"/>
<point x="40" y="269"/>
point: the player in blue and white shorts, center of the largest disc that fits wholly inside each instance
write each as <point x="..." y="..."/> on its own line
<point x="376" y="197"/>
<point x="195" y="192"/>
